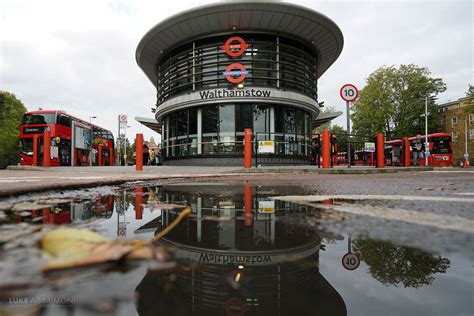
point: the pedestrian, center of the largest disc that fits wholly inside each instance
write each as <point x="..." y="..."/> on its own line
<point x="417" y="150"/>
<point x="146" y="155"/>
<point x="152" y="157"/>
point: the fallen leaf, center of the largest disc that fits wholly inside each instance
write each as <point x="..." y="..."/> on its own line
<point x="80" y="247"/>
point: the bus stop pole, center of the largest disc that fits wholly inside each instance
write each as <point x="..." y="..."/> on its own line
<point x="35" y="150"/>
<point x="99" y="155"/>
<point x="47" y="148"/>
<point x="326" y="148"/>
<point x="380" y="150"/>
<point x="348" y="135"/>
<point x="406" y="152"/>
<point x="247" y="148"/>
<point x="139" y="152"/>
<point x="248" y="214"/>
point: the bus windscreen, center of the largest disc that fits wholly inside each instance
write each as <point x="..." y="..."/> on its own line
<point x="441" y="145"/>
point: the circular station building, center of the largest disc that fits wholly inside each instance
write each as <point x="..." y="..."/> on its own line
<point x="221" y="68"/>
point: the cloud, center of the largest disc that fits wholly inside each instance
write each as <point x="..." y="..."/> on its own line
<point x="80" y="56"/>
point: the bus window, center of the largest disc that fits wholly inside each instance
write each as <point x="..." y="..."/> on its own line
<point x="64" y="120"/>
<point x="39" y="119"/>
<point x="26" y="146"/>
<point x="441" y="145"/>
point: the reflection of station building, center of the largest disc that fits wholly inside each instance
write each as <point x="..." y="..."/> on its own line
<point x="222" y="68"/>
<point x="247" y="255"/>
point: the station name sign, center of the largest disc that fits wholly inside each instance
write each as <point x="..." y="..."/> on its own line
<point x="225" y="93"/>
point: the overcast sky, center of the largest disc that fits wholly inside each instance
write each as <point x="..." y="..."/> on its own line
<point x="79" y="56"/>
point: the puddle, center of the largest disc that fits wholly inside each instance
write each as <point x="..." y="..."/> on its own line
<point x="240" y="252"/>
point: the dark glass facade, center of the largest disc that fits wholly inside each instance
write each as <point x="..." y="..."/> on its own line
<point x="218" y="130"/>
<point x="271" y="61"/>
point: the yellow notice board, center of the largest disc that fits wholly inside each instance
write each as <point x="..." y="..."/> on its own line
<point x="266" y="147"/>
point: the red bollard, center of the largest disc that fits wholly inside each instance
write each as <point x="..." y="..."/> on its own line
<point x="46" y="148"/>
<point x="248" y="214"/>
<point x="35" y="150"/>
<point x="326" y="148"/>
<point x="139" y="152"/>
<point x="406" y="152"/>
<point x="247" y="148"/>
<point x="99" y="156"/>
<point x="138" y="203"/>
<point x="380" y="150"/>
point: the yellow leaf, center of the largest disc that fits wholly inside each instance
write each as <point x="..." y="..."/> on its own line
<point x="70" y="242"/>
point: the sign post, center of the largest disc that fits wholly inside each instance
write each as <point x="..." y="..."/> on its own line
<point x="348" y="93"/>
<point x="122" y="143"/>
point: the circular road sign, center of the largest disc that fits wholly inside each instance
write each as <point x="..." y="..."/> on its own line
<point x="123" y="118"/>
<point x="350" y="261"/>
<point x="349" y="92"/>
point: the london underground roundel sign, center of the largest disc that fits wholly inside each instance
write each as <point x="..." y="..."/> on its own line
<point x="234" y="49"/>
<point x="349" y="92"/>
<point x="235" y="73"/>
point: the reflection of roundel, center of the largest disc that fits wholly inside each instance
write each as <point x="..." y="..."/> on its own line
<point x="240" y="72"/>
<point x="229" y="47"/>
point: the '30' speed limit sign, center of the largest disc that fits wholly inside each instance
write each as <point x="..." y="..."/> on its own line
<point x="349" y="92"/>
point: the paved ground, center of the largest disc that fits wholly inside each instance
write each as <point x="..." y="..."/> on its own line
<point x="21" y="180"/>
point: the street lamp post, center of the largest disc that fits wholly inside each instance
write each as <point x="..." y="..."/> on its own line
<point x="91" y="117"/>
<point x="426" y="131"/>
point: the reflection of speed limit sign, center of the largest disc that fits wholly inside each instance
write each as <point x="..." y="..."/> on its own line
<point x="123" y="117"/>
<point x="351" y="261"/>
<point x="349" y="92"/>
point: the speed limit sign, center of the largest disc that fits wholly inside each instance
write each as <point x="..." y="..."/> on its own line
<point x="349" y="92"/>
<point x="350" y="261"/>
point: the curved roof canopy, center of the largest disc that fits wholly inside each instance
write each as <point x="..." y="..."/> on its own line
<point x="294" y="21"/>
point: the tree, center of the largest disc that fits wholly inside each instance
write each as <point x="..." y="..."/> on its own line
<point x="11" y="112"/>
<point x="393" y="102"/>
<point x="470" y="91"/>
<point x="397" y="265"/>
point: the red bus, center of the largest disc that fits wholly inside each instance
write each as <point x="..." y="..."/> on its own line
<point x="92" y="138"/>
<point x="441" y="149"/>
<point x="393" y="152"/>
<point x="364" y="158"/>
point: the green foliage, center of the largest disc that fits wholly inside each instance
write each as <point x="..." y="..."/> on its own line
<point x="394" y="100"/>
<point x="11" y="112"/>
<point x="470" y="91"/>
<point x="397" y="265"/>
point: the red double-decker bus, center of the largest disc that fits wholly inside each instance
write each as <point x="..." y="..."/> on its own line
<point x="89" y="140"/>
<point x="440" y="147"/>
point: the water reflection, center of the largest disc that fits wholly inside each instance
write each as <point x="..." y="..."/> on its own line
<point x="396" y="265"/>
<point x="239" y="257"/>
<point x="65" y="212"/>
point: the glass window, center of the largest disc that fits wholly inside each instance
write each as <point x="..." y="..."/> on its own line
<point x="210" y="119"/>
<point x="261" y="118"/>
<point x="454" y="121"/>
<point x="227" y="127"/>
<point x="64" y="120"/>
<point x="39" y="119"/>
<point x="243" y="117"/>
<point x="471" y="133"/>
<point x="182" y="123"/>
<point x="193" y="121"/>
<point x="455" y="135"/>
<point x="26" y="146"/>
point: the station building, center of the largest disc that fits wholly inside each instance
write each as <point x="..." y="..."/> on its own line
<point x="221" y="68"/>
